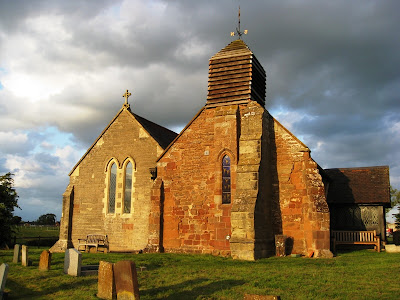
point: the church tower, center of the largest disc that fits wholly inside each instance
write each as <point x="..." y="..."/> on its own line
<point x="234" y="178"/>
<point x="235" y="76"/>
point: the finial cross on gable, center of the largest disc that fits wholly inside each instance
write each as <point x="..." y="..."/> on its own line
<point x="126" y="96"/>
<point x="238" y="32"/>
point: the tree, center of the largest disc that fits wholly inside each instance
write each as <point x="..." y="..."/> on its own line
<point x="397" y="220"/>
<point x="47" y="219"/>
<point x="8" y="201"/>
<point x="16" y="220"/>
<point x="394" y="198"/>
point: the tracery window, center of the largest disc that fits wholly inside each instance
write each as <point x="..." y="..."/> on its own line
<point x="112" y="188"/>
<point x="355" y="217"/>
<point x="226" y="179"/>
<point x="128" y="188"/>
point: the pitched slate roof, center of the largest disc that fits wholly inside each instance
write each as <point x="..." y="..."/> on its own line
<point x="162" y="135"/>
<point x="368" y="185"/>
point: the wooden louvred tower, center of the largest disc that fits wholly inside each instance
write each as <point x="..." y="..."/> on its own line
<point x="235" y="76"/>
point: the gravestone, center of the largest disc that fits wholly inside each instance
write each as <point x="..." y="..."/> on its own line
<point x="24" y="256"/>
<point x="45" y="260"/>
<point x="280" y="244"/>
<point x="72" y="262"/>
<point x="396" y="237"/>
<point x="17" y="253"/>
<point x="126" y="283"/>
<point x="3" y="278"/>
<point x="106" y="283"/>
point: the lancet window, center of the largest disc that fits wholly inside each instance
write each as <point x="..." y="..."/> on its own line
<point x="128" y="188"/>
<point x="226" y="179"/>
<point x="112" y="188"/>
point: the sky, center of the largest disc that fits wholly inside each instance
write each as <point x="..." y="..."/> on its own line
<point x="333" y="77"/>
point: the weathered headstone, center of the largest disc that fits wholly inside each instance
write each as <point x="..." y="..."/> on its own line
<point x="45" y="260"/>
<point x="72" y="262"/>
<point x="396" y="237"/>
<point x="126" y="283"/>
<point x="17" y="253"/>
<point x="24" y="256"/>
<point x="3" y="278"/>
<point x="106" y="283"/>
<point x="280" y="244"/>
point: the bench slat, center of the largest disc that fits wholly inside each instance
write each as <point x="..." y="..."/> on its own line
<point x="94" y="240"/>
<point x="356" y="237"/>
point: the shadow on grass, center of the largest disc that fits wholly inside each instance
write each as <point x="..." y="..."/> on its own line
<point x="18" y="290"/>
<point x="191" y="289"/>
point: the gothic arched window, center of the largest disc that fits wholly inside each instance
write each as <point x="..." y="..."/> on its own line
<point x="226" y="180"/>
<point x="128" y="188"/>
<point x="112" y="185"/>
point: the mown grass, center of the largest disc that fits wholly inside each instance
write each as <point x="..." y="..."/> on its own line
<point x="360" y="274"/>
<point x="28" y="235"/>
<point x="33" y="231"/>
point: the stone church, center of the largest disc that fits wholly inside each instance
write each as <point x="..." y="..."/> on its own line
<point x="232" y="180"/>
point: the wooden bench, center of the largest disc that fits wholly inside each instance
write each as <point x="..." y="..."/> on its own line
<point x="340" y="237"/>
<point x="99" y="241"/>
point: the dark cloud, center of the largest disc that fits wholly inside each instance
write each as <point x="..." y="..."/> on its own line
<point x="333" y="69"/>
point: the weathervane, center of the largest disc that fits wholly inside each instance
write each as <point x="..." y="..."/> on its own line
<point x="126" y="96"/>
<point x="239" y="33"/>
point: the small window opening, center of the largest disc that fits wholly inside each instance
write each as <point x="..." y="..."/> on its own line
<point x="112" y="188"/>
<point x="128" y="188"/>
<point x="226" y="180"/>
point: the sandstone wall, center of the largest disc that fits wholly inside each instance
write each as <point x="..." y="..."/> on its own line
<point x="195" y="220"/>
<point x="303" y="213"/>
<point x="124" y="138"/>
<point x="276" y="188"/>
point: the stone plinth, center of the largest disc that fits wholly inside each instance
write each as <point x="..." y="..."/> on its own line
<point x="392" y="249"/>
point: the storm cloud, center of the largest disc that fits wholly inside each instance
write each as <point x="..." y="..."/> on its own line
<point x="333" y="77"/>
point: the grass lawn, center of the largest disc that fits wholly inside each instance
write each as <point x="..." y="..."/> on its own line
<point x="363" y="274"/>
<point x="48" y="234"/>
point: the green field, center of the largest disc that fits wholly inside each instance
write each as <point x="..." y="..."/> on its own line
<point x="363" y="274"/>
<point x="29" y="235"/>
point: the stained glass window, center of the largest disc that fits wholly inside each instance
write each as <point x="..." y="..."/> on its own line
<point x="128" y="188"/>
<point x="226" y="179"/>
<point x="112" y="188"/>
